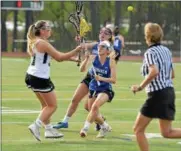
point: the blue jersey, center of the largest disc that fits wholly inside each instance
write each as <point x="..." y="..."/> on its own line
<point x="102" y="70"/>
<point x="95" y="49"/>
<point x="117" y="45"/>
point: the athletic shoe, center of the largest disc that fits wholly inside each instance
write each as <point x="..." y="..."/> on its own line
<point x="34" y="129"/>
<point x="103" y="131"/>
<point x="83" y="132"/>
<point x="52" y="133"/>
<point x="60" y="125"/>
<point x="98" y="127"/>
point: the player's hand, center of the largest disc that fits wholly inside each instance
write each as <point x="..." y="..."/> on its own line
<point x="97" y="77"/>
<point x="77" y="38"/>
<point x="78" y="48"/>
<point x="135" y="88"/>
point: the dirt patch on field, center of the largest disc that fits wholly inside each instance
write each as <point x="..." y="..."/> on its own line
<point x="124" y="58"/>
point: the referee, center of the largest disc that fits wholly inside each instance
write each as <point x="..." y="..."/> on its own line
<point x="158" y="71"/>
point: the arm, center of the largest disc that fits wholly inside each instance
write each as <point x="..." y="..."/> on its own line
<point x="44" y="46"/>
<point x="153" y="72"/>
<point x="122" y="40"/>
<point x="84" y="65"/>
<point x="150" y="59"/>
<point x="173" y="73"/>
<point x="112" y="79"/>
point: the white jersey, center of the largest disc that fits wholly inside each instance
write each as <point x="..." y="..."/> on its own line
<point x="40" y="64"/>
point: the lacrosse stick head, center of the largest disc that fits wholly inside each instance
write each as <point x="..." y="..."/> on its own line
<point x="84" y="27"/>
<point x="75" y="20"/>
<point x="79" y="6"/>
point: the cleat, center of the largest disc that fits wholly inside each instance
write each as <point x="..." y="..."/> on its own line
<point x="34" y="129"/>
<point x="52" y="133"/>
<point x="98" y="127"/>
<point x="103" y="131"/>
<point x="60" y="125"/>
<point x="83" y="133"/>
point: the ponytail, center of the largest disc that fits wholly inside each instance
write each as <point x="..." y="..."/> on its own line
<point x="31" y="39"/>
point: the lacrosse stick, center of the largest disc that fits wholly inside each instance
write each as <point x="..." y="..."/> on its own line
<point x="75" y="20"/>
<point x="94" y="70"/>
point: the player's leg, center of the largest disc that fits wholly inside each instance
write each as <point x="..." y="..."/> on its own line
<point x="139" y="129"/>
<point x="47" y="112"/>
<point x="94" y="111"/>
<point x="79" y="94"/>
<point x="167" y="131"/>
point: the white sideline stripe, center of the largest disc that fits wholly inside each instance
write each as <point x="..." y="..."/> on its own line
<point x="77" y="122"/>
<point x="3" y="107"/>
<point x="148" y="135"/>
<point x="19" y="111"/>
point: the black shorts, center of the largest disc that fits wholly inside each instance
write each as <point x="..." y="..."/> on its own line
<point x="110" y="94"/>
<point x="87" y="79"/>
<point x="39" y="84"/>
<point x="160" y="104"/>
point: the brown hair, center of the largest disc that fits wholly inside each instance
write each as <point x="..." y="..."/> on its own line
<point x="109" y="31"/>
<point x="116" y="31"/>
<point x="153" y="33"/>
<point x="33" y="31"/>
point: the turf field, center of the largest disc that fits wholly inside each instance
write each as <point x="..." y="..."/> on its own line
<point x="20" y="108"/>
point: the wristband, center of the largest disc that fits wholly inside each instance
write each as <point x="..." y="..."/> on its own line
<point x="140" y="88"/>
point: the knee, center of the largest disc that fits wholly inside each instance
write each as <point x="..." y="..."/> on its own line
<point x="53" y="107"/>
<point x="165" y="134"/>
<point x="137" y="130"/>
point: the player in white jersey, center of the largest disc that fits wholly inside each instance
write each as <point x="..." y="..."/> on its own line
<point x="38" y="75"/>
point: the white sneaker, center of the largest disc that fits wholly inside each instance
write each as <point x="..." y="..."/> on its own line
<point x="34" y="129"/>
<point x="53" y="133"/>
<point x="83" y="132"/>
<point x="103" y="131"/>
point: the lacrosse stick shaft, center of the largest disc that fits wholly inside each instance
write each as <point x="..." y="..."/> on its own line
<point x="98" y="82"/>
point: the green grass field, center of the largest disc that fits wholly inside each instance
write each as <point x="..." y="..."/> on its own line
<point x="19" y="106"/>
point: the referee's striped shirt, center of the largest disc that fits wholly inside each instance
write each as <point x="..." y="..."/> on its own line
<point x="160" y="56"/>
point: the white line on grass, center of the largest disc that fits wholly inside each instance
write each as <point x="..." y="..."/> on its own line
<point x="19" y="111"/>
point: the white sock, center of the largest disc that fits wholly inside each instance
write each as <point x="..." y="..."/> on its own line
<point x="48" y="126"/>
<point x="87" y="125"/>
<point x="104" y="125"/>
<point x="38" y="122"/>
<point x="66" y="119"/>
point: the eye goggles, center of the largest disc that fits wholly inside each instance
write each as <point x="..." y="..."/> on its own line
<point x="104" y="32"/>
<point x="46" y="28"/>
<point x="103" y="47"/>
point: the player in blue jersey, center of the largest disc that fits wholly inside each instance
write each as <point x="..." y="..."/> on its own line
<point x="82" y="89"/>
<point x="103" y="72"/>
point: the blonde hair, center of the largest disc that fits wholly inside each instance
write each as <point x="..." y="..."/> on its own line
<point x="153" y="33"/>
<point x="33" y="31"/>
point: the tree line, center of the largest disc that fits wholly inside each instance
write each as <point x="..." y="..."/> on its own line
<point x="98" y="14"/>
